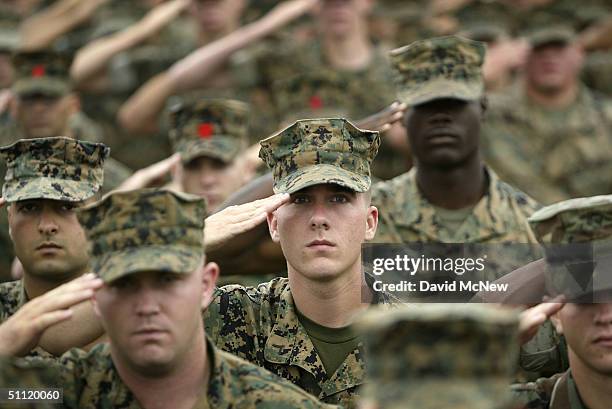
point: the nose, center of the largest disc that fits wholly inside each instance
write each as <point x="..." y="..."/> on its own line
<point x="603" y="314"/>
<point x="47" y="224"/>
<point x="146" y="302"/>
<point x="319" y="218"/>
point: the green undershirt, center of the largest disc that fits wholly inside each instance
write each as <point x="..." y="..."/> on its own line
<point x="453" y="219"/>
<point x="332" y="344"/>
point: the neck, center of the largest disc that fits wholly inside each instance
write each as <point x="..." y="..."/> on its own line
<point x="554" y="100"/>
<point x="36" y="286"/>
<point x="332" y="304"/>
<point x="454" y="188"/>
<point x="595" y="388"/>
<point x="351" y="52"/>
<point x="179" y="388"/>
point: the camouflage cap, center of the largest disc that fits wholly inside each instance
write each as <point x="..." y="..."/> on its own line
<point x="551" y="35"/>
<point x="577" y="238"/>
<point x="215" y="128"/>
<point x="437" y="356"/>
<point x="42" y="72"/>
<point x="444" y="67"/>
<point x="318" y="93"/>
<point x="315" y="151"/>
<point x="56" y="168"/>
<point x="145" y="230"/>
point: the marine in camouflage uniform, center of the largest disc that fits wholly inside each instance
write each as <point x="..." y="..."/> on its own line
<point x="440" y="356"/>
<point x="582" y="221"/>
<point x="46" y="73"/>
<point x="209" y="135"/>
<point x="127" y="231"/>
<point x="59" y="169"/>
<point x="15" y="374"/>
<point x="447" y="67"/>
<point x="450" y="68"/>
<point x="551" y="153"/>
<point x="263" y="324"/>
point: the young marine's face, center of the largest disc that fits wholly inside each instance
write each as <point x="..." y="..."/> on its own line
<point x="444" y="132"/>
<point x="41" y="116"/>
<point x="211" y="179"/>
<point x="340" y="17"/>
<point x="154" y="318"/>
<point x="553" y="67"/>
<point x="321" y="230"/>
<point x="48" y="239"/>
<point x="588" y="331"/>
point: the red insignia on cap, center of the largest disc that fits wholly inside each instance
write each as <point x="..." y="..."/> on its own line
<point x="38" y="70"/>
<point x="316" y="102"/>
<point x="206" y="130"/>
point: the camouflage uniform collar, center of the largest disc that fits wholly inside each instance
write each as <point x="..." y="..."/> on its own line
<point x="23" y="296"/>
<point x="289" y="344"/>
<point x="218" y="393"/>
<point x="487" y="213"/>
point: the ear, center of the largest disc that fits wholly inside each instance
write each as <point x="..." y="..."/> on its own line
<point x="557" y="323"/>
<point x="371" y="223"/>
<point x="273" y="227"/>
<point x="210" y="274"/>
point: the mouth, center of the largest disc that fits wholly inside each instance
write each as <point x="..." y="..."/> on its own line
<point x="441" y="136"/>
<point x="320" y="244"/>
<point x="604" y="341"/>
<point x="48" y="246"/>
<point x="149" y="332"/>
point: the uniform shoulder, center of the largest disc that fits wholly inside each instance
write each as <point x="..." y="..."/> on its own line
<point x="385" y="189"/>
<point x="259" y="388"/>
<point x="537" y="394"/>
<point x="522" y="200"/>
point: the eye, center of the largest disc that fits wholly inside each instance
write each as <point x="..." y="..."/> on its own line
<point x="168" y="278"/>
<point x="340" y="198"/>
<point x="67" y="207"/>
<point x="27" y="207"/>
<point x="123" y="283"/>
<point x="300" y="199"/>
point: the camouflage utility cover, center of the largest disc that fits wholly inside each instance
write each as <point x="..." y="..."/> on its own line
<point x="90" y="380"/>
<point x="144" y="230"/>
<point x="576" y="220"/>
<point x="56" y="168"/>
<point x="216" y="128"/>
<point x="436" y="356"/>
<point x="577" y="237"/>
<point x="444" y="67"/>
<point x="42" y="72"/>
<point x="316" y="151"/>
<point x="551" y="35"/>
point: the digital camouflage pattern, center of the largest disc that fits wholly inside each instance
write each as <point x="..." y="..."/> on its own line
<point x="444" y="67"/>
<point x="551" y="155"/>
<point x="216" y="128"/>
<point x="56" y="168"/>
<point x="579" y="270"/>
<point x="260" y="324"/>
<point x="557" y="392"/>
<point x="406" y="216"/>
<point x="17" y="374"/>
<point x="138" y="230"/>
<point x="316" y="151"/>
<point x="438" y="356"/>
<point x="42" y="72"/>
<point x="580" y="220"/>
<point x="90" y="380"/>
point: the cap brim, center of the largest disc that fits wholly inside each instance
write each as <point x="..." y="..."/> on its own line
<point x="439" y="89"/>
<point x="321" y="174"/>
<point x="429" y="394"/>
<point x="163" y="258"/>
<point x="48" y="188"/>
<point x="196" y="148"/>
<point x="47" y="86"/>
